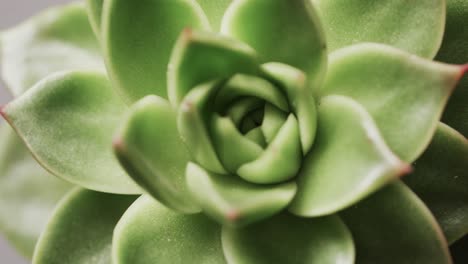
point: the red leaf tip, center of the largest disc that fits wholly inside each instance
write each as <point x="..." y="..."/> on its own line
<point x="3" y="112"/>
<point x="118" y="144"/>
<point x="233" y="215"/>
<point x="404" y="169"/>
<point x="464" y="70"/>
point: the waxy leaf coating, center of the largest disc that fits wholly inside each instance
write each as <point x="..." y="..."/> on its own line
<point x="151" y="150"/>
<point x="28" y="194"/>
<point x="81" y="228"/>
<point x="138" y="37"/>
<point x="404" y="94"/>
<point x="150" y="233"/>
<point x="288" y="239"/>
<point x="67" y="121"/>
<point x="233" y="201"/>
<point x="346" y="133"/>
<point x="394" y="226"/>
<point x="440" y="179"/>
<point x="414" y="26"/>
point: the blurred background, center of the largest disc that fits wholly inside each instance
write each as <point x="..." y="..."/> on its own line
<point x="12" y="13"/>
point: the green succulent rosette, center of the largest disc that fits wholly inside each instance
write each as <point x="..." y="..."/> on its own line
<point x="253" y="131"/>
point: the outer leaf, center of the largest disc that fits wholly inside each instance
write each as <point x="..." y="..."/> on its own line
<point x="200" y="57"/>
<point x="95" y="14"/>
<point x="80" y="231"/>
<point x="348" y="162"/>
<point x="28" y="193"/>
<point x="455" y="50"/>
<point x="394" y="226"/>
<point x="234" y="202"/>
<point x="138" y="37"/>
<point x="286" y="239"/>
<point x="440" y="179"/>
<point x="286" y="31"/>
<point x="151" y="150"/>
<point x="55" y="40"/>
<point x="404" y="94"/>
<point x="67" y="121"/>
<point x="415" y="26"/>
<point x="150" y="233"/>
<point x="214" y="10"/>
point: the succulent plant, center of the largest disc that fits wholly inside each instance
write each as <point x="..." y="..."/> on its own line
<point x="246" y="131"/>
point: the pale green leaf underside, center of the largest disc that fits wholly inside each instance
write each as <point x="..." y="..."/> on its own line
<point x="149" y="147"/>
<point x="28" y="194"/>
<point x="454" y="49"/>
<point x="286" y="31"/>
<point x="287" y="239"/>
<point x="394" y="226"/>
<point x="404" y="94"/>
<point x="346" y="133"/>
<point x="57" y="39"/>
<point x="67" y="121"/>
<point x="81" y="228"/>
<point x="234" y="202"/>
<point x="150" y="233"/>
<point x="414" y="26"/>
<point x="138" y="37"/>
<point x="440" y="179"/>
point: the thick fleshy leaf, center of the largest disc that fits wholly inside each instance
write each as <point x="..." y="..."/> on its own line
<point x="415" y="26"/>
<point x="151" y="150"/>
<point x="404" y="94"/>
<point x="67" y="121"/>
<point x="28" y="194"/>
<point x="200" y="57"/>
<point x="280" y="161"/>
<point x="286" y="31"/>
<point x="234" y="202"/>
<point x="150" y="233"/>
<point x="287" y="239"/>
<point x="214" y="10"/>
<point x="454" y="49"/>
<point x="394" y="226"/>
<point x="55" y="40"/>
<point x="138" y="37"/>
<point x="273" y="120"/>
<point x="348" y="162"/>
<point x="192" y="127"/>
<point x="440" y="179"/>
<point x="300" y="97"/>
<point x="95" y="14"/>
<point x="226" y="138"/>
<point x="81" y="228"/>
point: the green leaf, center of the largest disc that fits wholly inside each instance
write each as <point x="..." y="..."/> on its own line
<point x="55" y="40"/>
<point x="214" y="10"/>
<point x="280" y="161"/>
<point x="273" y="120"/>
<point x="454" y="49"/>
<point x="404" y="94"/>
<point x="234" y="202"/>
<point x="394" y="226"/>
<point x="286" y="239"/>
<point x="348" y="162"/>
<point x="199" y="57"/>
<point x="94" y="8"/>
<point x="191" y="124"/>
<point x="81" y="228"/>
<point x="28" y="194"/>
<point x="150" y="233"/>
<point x="440" y="179"/>
<point x="138" y="37"/>
<point x="67" y="121"/>
<point x="300" y="97"/>
<point x="286" y="31"/>
<point x="151" y="150"/>
<point x="415" y="26"/>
